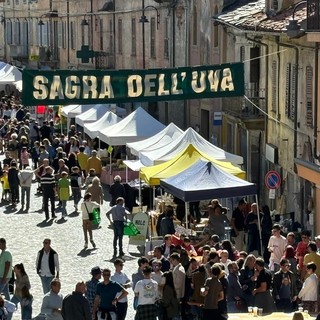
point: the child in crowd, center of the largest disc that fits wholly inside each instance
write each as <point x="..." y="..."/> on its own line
<point x="75" y="181"/>
<point x="224" y="259"/>
<point x="24" y="158"/>
<point x="5" y="186"/>
<point x="91" y="175"/>
<point x="26" y="304"/>
<point x="64" y="192"/>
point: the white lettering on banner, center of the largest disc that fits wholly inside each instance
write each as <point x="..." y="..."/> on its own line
<point x="134" y="86"/>
<point x="72" y="91"/>
<point x="42" y="90"/>
<point x="227" y="82"/>
<point x="148" y="85"/>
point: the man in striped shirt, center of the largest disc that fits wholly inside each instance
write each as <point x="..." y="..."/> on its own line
<point x="48" y="185"/>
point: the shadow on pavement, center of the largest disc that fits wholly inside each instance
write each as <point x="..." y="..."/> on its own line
<point x="74" y="214"/>
<point x="86" y="252"/>
<point x="9" y="209"/>
<point x="45" y="223"/>
<point x="61" y="220"/>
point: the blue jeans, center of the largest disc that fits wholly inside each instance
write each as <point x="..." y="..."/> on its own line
<point x="4" y="288"/>
<point x="118" y="234"/>
<point x="64" y="207"/>
<point x="46" y="283"/>
<point x="25" y="192"/>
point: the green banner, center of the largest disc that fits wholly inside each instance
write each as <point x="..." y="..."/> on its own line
<point x="63" y="87"/>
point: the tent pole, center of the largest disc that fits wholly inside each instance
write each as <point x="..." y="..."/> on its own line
<point x="154" y="197"/>
<point x="110" y="155"/>
<point x="140" y="196"/>
<point x="187" y="209"/>
<point x="259" y="223"/>
<point x="126" y="170"/>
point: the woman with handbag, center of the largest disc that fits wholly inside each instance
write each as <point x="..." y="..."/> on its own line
<point x="87" y="207"/>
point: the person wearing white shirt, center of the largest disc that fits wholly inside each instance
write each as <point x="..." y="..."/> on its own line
<point x="309" y="291"/>
<point x="47" y="264"/>
<point x="121" y="278"/>
<point x="276" y="246"/>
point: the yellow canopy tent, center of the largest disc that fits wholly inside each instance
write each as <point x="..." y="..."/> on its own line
<point x="152" y="175"/>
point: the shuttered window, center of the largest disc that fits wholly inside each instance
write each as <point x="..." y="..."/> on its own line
<point x="309" y="96"/>
<point x="242" y="53"/>
<point x="274" y="86"/>
<point x="293" y="92"/>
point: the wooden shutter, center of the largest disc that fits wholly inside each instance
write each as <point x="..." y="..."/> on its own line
<point x="293" y="94"/>
<point x="309" y="96"/>
<point x="274" y="85"/>
<point x="288" y="89"/>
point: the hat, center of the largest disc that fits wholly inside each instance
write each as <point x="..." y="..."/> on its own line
<point x="317" y="238"/>
<point x="95" y="271"/>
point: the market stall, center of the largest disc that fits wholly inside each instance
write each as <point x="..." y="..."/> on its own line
<point x="168" y="151"/>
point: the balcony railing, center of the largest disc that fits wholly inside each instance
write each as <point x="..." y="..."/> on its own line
<point x="313" y="15"/>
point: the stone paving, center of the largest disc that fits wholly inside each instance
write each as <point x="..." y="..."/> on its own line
<point x="25" y="232"/>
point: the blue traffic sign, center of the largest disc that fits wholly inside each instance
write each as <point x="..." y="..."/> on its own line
<point x="272" y="180"/>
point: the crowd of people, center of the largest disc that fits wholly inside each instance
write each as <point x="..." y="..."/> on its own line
<point x="259" y="266"/>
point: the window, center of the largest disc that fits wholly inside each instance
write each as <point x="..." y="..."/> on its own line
<point x="292" y="114"/>
<point x="195" y="26"/>
<point x="60" y="34"/>
<point x="30" y="33"/>
<point x="9" y="31"/>
<point x="111" y="40"/>
<point x="153" y="38"/>
<point x="16" y="33"/>
<point x="63" y="31"/>
<point x="120" y="36"/>
<point x="44" y="34"/>
<point x="288" y="89"/>
<point x="274" y="85"/>
<point x="72" y="35"/>
<point x="166" y="39"/>
<point x="133" y="37"/>
<point x="309" y="96"/>
<point x="101" y="35"/>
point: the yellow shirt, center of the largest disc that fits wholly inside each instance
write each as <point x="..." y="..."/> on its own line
<point x="5" y="183"/>
<point x="312" y="257"/>
<point x="82" y="160"/>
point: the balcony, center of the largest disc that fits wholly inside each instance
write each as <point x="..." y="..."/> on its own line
<point x="313" y="16"/>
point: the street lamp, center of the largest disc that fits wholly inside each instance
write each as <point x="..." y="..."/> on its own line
<point x="143" y="20"/>
<point x="294" y="28"/>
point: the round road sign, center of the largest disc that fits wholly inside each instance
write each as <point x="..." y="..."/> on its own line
<point x="272" y="180"/>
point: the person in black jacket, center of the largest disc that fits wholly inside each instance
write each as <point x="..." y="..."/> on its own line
<point x="117" y="190"/>
<point x="47" y="264"/>
<point x="75" y="305"/>
<point x="284" y="287"/>
<point x="13" y="180"/>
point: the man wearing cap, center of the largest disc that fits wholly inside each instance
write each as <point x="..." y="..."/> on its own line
<point x="119" y="216"/>
<point x="91" y="285"/>
<point x="122" y="279"/>
<point x="107" y="296"/>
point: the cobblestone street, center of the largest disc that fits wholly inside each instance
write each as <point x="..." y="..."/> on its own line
<point x="25" y="232"/>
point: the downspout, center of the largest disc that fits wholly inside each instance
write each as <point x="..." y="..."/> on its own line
<point x="114" y="35"/>
<point x="266" y="99"/>
<point x="316" y="85"/>
<point x="68" y="31"/>
<point x="187" y="60"/>
<point x="295" y="133"/>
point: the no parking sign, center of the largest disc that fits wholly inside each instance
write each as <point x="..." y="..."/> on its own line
<point x="272" y="180"/>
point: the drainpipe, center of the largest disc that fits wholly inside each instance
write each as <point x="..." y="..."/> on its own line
<point x="266" y="99"/>
<point x="68" y="32"/>
<point x="295" y="134"/>
<point x="187" y="60"/>
<point x="315" y="98"/>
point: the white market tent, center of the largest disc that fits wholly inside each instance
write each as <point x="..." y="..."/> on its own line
<point x="204" y="180"/>
<point x="9" y="74"/>
<point x="66" y="109"/>
<point x="136" y="126"/>
<point x="168" y="134"/>
<point x="92" y="129"/>
<point x="91" y="115"/>
<point x="73" y="112"/>
<point x="190" y="136"/>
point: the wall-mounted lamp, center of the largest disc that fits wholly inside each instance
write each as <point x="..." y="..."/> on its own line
<point x="50" y="14"/>
<point x="144" y="19"/>
<point x="84" y="21"/>
<point x="294" y="28"/>
<point x="2" y="19"/>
